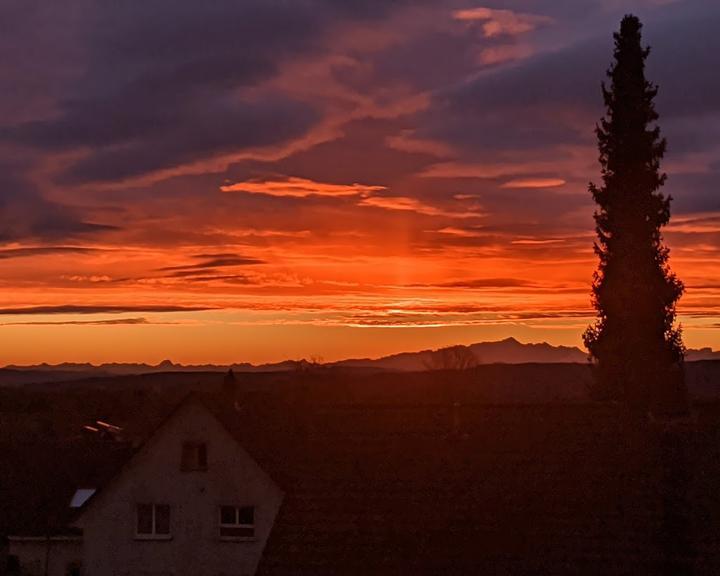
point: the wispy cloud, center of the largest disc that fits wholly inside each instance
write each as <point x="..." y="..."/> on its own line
<point x="299" y="188"/>
<point x="708" y="223"/>
<point x="493" y="55"/>
<point x="214" y="261"/>
<point x="480" y="283"/>
<point x="405" y="203"/>
<point x="269" y="233"/>
<point x="536" y="241"/>
<point x="92" y="279"/>
<point x="534" y="183"/>
<point x="573" y="162"/>
<point x="461" y="232"/>
<point x="28" y="251"/>
<point x="496" y="22"/>
<point x="98" y="309"/>
<point x="115" y="322"/>
<point x="488" y="283"/>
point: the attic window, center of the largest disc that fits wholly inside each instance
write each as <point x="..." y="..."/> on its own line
<point x="194" y="456"/>
<point x="153" y="522"/>
<point x="237" y="522"/>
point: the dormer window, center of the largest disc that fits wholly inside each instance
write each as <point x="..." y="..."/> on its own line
<point x="194" y="456"/>
<point x="237" y="522"/>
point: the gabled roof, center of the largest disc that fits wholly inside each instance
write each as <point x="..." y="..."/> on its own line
<point x="191" y="398"/>
<point x="43" y="478"/>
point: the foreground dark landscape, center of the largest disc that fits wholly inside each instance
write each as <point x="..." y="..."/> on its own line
<point x="498" y="469"/>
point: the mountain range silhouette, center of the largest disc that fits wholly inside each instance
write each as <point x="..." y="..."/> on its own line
<point x="507" y="351"/>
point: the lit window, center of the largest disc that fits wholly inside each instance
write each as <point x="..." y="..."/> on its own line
<point x="194" y="456"/>
<point x="237" y="522"/>
<point x="153" y="521"/>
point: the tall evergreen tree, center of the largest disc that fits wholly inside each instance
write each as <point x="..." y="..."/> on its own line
<point x="637" y="350"/>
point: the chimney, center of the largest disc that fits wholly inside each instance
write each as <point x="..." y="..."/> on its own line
<point x="231" y="390"/>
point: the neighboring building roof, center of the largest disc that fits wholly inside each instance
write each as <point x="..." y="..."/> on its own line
<point x="40" y="479"/>
<point x="434" y="489"/>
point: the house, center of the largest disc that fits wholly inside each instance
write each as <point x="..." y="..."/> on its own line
<point x="190" y="500"/>
<point x="332" y="482"/>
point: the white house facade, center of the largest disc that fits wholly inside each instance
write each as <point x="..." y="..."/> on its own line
<point x="191" y="501"/>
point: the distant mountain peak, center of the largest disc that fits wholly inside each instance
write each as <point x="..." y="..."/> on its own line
<point x="506" y="351"/>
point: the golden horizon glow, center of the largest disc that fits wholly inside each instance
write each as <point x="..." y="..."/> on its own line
<point x="308" y="297"/>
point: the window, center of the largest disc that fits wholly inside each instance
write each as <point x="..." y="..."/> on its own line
<point x="153" y="521"/>
<point x="194" y="456"/>
<point x="237" y="522"/>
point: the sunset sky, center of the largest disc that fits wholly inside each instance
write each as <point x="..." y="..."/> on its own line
<point x="258" y="180"/>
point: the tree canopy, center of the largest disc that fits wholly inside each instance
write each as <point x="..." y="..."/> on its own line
<point x="635" y="345"/>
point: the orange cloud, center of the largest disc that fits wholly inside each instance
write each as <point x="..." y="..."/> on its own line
<point x="462" y="232"/>
<point x="537" y="241"/>
<point x="504" y="53"/>
<point x="412" y="205"/>
<point x="705" y="223"/>
<point x="495" y="22"/>
<point x="299" y="188"/>
<point x="534" y="183"/>
<point x="572" y="161"/>
<point x="406" y="141"/>
<point x="265" y="233"/>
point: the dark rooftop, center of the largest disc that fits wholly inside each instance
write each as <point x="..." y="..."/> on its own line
<point x="40" y="478"/>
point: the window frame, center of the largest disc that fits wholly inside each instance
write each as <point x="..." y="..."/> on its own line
<point x="237" y="523"/>
<point x="154" y="535"/>
<point x="198" y="448"/>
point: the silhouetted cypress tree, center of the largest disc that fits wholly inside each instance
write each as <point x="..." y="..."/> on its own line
<point x="637" y="349"/>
